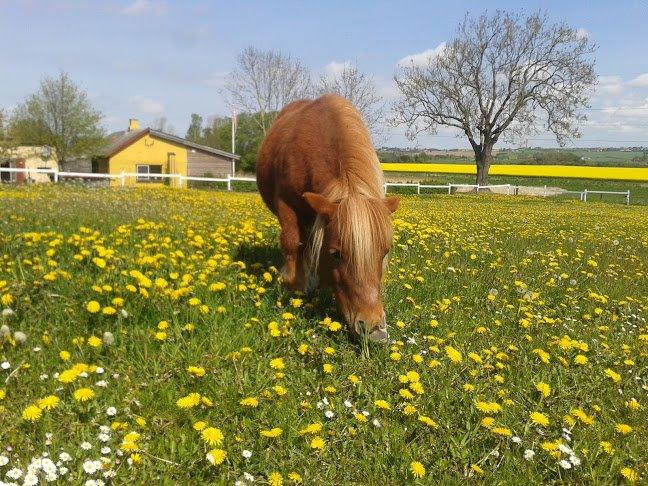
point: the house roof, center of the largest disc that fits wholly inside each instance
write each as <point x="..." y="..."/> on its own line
<point x="120" y="140"/>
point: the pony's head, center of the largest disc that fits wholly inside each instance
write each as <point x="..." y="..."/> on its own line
<point x="349" y="245"/>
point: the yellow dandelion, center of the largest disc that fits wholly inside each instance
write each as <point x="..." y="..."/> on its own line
<point x="539" y="418"/>
<point x="49" y="402"/>
<point x="216" y="456"/>
<point x="417" y="469"/>
<point x="32" y="413"/>
<point x="212" y="435"/>
<point x="84" y="394"/>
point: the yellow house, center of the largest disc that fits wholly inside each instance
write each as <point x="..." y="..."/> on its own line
<point x="144" y="152"/>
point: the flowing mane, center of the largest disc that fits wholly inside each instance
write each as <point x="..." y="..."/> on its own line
<point x="363" y="223"/>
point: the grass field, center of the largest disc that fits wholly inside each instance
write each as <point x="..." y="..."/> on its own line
<point x="638" y="189"/>
<point x="146" y="339"/>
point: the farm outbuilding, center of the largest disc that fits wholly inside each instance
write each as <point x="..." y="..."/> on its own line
<point x="28" y="157"/>
<point x="147" y="151"/>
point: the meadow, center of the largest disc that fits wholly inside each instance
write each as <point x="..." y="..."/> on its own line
<point x="146" y="339"/>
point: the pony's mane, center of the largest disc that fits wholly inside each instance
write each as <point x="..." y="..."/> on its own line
<point x="363" y="222"/>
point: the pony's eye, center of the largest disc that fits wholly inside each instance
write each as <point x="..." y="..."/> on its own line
<point x="336" y="255"/>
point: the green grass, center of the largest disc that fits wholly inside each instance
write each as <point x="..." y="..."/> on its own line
<point x="506" y="279"/>
<point x="638" y="190"/>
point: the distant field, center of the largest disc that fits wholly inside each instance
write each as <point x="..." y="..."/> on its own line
<point x="575" y="157"/>
<point x="583" y="172"/>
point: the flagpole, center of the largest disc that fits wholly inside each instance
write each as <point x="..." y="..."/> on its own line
<point x="233" y="111"/>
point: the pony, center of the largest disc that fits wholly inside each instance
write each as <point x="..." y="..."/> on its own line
<point x="318" y="172"/>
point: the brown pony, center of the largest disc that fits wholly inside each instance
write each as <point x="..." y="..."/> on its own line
<point x="318" y="172"/>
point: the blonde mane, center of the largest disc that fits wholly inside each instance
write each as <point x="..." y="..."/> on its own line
<point x="363" y="221"/>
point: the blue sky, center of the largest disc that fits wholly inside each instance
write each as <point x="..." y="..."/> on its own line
<point x="152" y="58"/>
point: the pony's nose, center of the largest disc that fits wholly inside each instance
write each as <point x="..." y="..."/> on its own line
<point x="379" y="335"/>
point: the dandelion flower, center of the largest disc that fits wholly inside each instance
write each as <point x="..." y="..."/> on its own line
<point x="317" y="443"/>
<point x="83" y="394"/>
<point x="249" y="402"/>
<point x="93" y="307"/>
<point x="275" y="479"/>
<point x="212" y="435"/>
<point x="216" y="456"/>
<point x="277" y="364"/>
<point x="49" y="402"/>
<point x="32" y="413"/>
<point x="271" y="433"/>
<point x="190" y="401"/>
<point x="623" y="429"/>
<point x="539" y="418"/>
<point x="630" y="474"/>
<point x="543" y="388"/>
<point x="417" y="469"/>
<point x="453" y="354"/>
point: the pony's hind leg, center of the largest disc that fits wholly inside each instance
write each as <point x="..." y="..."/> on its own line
<point x="291" y="247"/>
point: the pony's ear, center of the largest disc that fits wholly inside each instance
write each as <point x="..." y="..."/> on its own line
<point x="392" y="203"/>
<point x="320" y="204"/>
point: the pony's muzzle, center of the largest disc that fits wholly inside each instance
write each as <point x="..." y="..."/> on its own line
<point x="377" y="333"/>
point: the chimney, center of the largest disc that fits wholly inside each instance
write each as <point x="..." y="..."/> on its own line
<point x="133" y="124"/>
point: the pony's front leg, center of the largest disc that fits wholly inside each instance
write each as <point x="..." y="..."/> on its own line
<point x="293" y="271"/>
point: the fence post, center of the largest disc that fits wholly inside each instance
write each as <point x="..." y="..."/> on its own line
<point x="545" y="191"/>
<point x="229" y="182"/>
<point x="418" y="188"/>
<point x="179" y="181"/>
<point x="585" y="195"/>
<point x="449" y="188"/>
<point x="628" y="198"/>
<point x="508" y="189"/>
<point x="56" y="174"/>
<point x="122" y="178"/>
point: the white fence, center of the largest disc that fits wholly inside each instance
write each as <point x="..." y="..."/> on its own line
<point x="181" y="180"/>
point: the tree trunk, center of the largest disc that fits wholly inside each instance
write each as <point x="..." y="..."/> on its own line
<point x="483" y="159"/>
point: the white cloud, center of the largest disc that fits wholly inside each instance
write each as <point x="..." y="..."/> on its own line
<point x="421" y="58"/>
<point x="334" y="68"/>
<point x="626" y="111"/>
<point x="146" y="105"/>
<point x="218" y="80"/>
<point x="146" y="7"/>
<point x="609" y="85"/>
<point x="640" y="81"/>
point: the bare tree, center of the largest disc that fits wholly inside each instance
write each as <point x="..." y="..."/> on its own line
<point x="162" y="125"/>
<point x="359" y="89"/>
<point x="58" y="115"/>
<point x="263" y="82"/>
<point x="503" y="75"/>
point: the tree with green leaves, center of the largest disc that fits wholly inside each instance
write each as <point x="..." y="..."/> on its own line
<point x="59" y="115"/>
<point x="249" y="134"/>
<point x="194" y="132"/>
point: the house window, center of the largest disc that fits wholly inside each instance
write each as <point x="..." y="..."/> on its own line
<point x="143" y="171"/>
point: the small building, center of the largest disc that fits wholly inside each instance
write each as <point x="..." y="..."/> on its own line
<point x="147" y="151"/>
<point x="28" y="157"/>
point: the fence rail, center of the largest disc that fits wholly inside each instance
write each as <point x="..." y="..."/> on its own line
<point x="510" y="189"/>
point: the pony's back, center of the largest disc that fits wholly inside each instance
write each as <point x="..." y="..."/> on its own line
<point x="319" y="146"/>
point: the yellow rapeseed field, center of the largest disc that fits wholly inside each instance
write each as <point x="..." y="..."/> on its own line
<point x="569" y="171"/>
<point x="145" y="338"/>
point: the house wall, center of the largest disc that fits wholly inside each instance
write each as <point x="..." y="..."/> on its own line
<point x="32" y="158"/>
<point x="200" y="163"/>
<point x="148" y="150"/>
